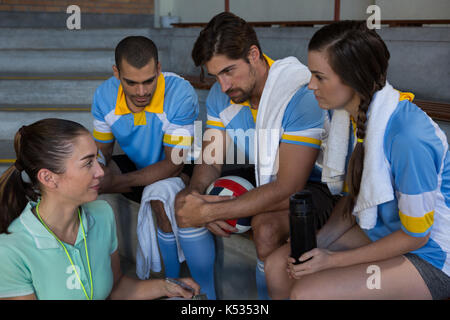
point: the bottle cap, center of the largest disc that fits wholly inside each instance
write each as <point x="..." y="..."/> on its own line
<point x="300" y="203"/>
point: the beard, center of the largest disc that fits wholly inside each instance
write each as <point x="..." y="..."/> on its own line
<point x="240" y="95"/>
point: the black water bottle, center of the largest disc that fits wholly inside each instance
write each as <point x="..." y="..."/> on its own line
<point x="301" y="224"/>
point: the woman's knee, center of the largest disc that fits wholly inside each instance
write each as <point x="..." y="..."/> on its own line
<point x="305" y="290"/>
<point x="278" y="282"/>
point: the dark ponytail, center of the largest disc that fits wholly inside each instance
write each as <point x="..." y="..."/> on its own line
<point x="43" y="144"/>
<point x="360" y="58"/>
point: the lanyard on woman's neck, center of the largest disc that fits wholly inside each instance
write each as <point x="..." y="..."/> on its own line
<point x="67" y="253"/>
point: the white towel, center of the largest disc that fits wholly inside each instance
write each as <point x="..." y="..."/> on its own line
<point x="147" y="255"/>
<point x="285" y="77"/>
<point x="376" y="182"/>
<point x="335" y="148"/>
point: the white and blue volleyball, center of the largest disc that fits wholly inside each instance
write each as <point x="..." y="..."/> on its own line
<point x="232" y="186"/>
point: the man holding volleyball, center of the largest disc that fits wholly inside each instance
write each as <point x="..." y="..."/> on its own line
<point x="230" y="51"/>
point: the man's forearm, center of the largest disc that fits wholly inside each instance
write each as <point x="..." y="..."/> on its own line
<point x="392" y="245"/>
<point x="267" y="198"/>
<point x="146" y="176"/>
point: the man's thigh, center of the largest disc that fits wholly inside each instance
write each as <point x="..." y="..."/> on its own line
<point x="271" y="229"/>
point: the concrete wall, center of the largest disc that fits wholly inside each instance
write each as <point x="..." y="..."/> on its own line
<point x="269" y="10"/>
<point x="33" y="19"/>
<point x="420" y="57"/>
<point x="94" y="14"/>
<point x="414" y="9"/>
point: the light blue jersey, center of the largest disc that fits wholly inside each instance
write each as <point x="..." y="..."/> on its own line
<point x="417" y="151"/>
<point x="302" y="122"/>
<point x="167" y="121"/>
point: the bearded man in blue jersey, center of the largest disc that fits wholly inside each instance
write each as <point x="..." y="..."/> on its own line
<point x="250" y="88"/>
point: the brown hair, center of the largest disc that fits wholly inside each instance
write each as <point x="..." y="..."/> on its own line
<point x="44" y="144"/>
<point x="360" y="58"/>
<point x="225" y="34"/>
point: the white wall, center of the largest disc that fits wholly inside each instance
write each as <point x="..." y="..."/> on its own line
<point x="197" y="10"/>
<point x="414" y="9"/>
<point x="292" y="10"/>
<point x="288" y="10"/>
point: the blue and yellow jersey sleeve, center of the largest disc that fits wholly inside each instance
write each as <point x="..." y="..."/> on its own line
<point x="215" y="103"/>
<point x="182" y="111"/>
<point x="103" y="102"/>
<point x="416" y="154"/>
<point x="303" y="120"/>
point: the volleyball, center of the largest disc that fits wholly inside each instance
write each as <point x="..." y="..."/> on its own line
<point x="232" y="186"/>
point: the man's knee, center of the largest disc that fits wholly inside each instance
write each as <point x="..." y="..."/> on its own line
<point x="268" y="236"/>
<point x="161" y="217"/>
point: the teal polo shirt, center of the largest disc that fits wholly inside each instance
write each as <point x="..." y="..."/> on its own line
<point x="32" y="261"/>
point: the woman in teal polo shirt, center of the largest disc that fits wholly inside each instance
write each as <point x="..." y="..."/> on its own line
<point x="56" y="242"/>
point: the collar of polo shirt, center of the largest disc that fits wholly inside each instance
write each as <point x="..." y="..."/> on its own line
<point x="155" y="105"/>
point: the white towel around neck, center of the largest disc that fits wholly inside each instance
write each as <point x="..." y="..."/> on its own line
<point x="376" y="182"/>
<point x="285" y="78"/>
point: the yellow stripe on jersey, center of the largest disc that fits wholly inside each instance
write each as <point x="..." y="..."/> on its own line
<point x="103" y="136"/>
<point x="215" y="123"/>
<point x="302" y="139"/>
<point x="140" y="119"/>
<point x="417" y="224"/>
<point x="178" y="140"/>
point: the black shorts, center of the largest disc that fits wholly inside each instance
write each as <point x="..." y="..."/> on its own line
<point x="126" y="165"/>
<point x="437" y="281"/>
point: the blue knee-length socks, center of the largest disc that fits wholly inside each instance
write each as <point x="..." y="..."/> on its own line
<point x="199" y="250"/>
<point x="261" y="284"/>
<point x="168" y="248"/>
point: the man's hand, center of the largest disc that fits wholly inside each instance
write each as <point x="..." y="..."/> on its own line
<point x="220" y="228"/>
<point x="191" y="207"/>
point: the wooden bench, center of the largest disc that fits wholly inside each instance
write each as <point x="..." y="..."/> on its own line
<point x="436" y="110"/>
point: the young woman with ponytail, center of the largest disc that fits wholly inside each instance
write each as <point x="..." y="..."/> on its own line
<point x="56" y="241"/>
<point x="388" y="237"/>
